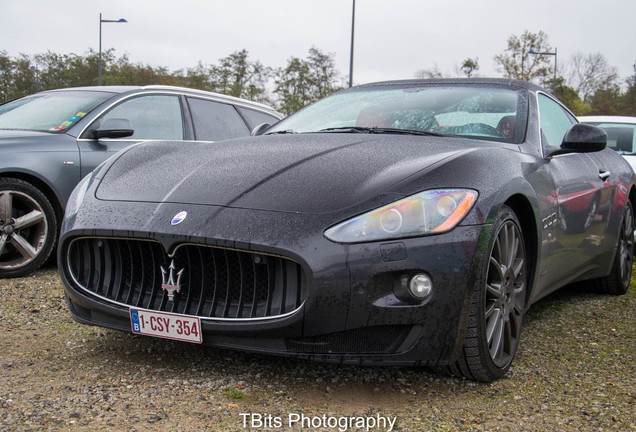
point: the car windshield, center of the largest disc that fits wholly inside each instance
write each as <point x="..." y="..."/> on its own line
<point x="485" y="112"/>
<point x="51" y="112"/>
<point x="620" y="136"/>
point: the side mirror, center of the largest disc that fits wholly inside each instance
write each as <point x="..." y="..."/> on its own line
<point x="114" y="128"/>
<point x="582" y="138"/>
<point x="260" y="129"/>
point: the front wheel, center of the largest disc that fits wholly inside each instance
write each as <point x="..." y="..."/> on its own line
<point x="28" y="228"/>
<point x="498" y="304"/>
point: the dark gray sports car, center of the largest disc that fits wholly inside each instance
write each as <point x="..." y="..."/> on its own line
<point x="410" y="222"/>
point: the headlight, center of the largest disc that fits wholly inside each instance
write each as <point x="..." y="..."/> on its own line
<point x="429" y="212"/>
<point x="77" y="196"/>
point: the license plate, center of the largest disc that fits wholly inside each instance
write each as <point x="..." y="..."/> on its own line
<point x="166" y="325"/>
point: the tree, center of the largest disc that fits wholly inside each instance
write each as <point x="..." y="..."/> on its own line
<point x="571" y="99"/>
<point x="606" y="102"/>
<point x="293" y="85"/>
<point x="304" y="81"/>
<point x="237" y="76"/>
<point x="325" y="78"/>
<point x="431" y="73"/>
<point x="628" y="100"/>
<point x="589" y="73"/>
<point x="470" y="66"/>
<point x="517" y="63"/>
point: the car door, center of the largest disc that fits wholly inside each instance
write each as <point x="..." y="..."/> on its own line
<point x="153" y="117"/>
<point x="581" y="193"/>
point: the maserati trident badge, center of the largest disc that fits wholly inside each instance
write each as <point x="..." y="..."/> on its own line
<point x="168" y="283"/>
<point x="178" y="218"/>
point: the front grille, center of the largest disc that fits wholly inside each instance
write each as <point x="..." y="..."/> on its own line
<point x="367" y="340"/>
<point x="215" y="282"/>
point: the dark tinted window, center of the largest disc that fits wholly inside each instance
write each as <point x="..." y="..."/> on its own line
<point x="254" y="118"/>
<point x="152" y="117"/>
<point x="214" y="121"/>
<point x="620" y="136"/>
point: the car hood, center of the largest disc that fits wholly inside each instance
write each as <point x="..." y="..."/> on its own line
<point x="309" y="173"/>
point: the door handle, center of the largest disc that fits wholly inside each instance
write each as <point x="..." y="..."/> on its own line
<point x="604" y="175"/>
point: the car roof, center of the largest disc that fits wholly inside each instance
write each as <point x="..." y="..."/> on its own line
<point x="477" y="81"/>
<point x="608" y="119"/>
<point x="124" y="89"/>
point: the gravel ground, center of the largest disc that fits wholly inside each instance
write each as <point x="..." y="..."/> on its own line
<point x="574" y="372"/>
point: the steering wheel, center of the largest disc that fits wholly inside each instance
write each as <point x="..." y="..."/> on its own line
<point x="483" y="129"/>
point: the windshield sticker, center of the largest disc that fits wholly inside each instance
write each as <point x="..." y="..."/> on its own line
<point x="70" y="121"/>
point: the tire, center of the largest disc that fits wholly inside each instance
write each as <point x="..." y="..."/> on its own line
<point x="617" y="283"/>
<point x="28" y="228"/>
<point x="498" y="304"/>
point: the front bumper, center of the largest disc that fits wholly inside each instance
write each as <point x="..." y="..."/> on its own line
<point x="350" y="313"/>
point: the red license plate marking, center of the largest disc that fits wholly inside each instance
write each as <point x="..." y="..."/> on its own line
<point x="166" y="325"/>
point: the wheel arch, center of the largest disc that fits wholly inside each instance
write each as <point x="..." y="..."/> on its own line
<point x="521" y="197"/>
<point x="529" y="229"/>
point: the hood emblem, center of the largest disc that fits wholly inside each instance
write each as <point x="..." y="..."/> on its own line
<point x="178" y="218"/>
<point x="167" y="280"/>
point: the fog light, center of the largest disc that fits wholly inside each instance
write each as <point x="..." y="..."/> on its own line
<point x="420" y="286"/>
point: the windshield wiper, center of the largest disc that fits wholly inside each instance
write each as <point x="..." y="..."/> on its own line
<point x="348" y="129"/>
<point x="358" y="129"/>
<point x="281" y="132"/>
<point x="406" y="131"/>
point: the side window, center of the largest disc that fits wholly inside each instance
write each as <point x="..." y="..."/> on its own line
<point x="152" y="117"/>
<point x="620" y="137"/>
<point x="555" y="122"/>
<point x="215" y="121"/>
<point x="254" y="118"/>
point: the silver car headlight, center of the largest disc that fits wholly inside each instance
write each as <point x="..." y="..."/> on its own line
<point x="429" y="212"/>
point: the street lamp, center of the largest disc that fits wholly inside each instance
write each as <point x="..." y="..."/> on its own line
<point x="555" y="65"/>
<point x="36" y="70"/>
<point x="120" y="20"/>
<point x="353" y="22"/>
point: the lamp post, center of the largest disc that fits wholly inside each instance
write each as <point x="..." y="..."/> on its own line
<point x="120" y="20"/>
<point x="36" y="70"/>
<point x="353" y="22"/>
<point x="555" y="66"/>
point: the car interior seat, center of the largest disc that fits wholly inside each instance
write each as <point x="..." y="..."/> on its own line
<point x="507" y="126"/>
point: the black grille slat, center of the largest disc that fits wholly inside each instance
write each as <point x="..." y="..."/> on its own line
<point x="117" y="283"/>
<point x="228" y="282"/>
<point x="133" y="274"/>
<point x="152" y="297"/>
<point x="255" y="287"/>
<point x="216" y="282"/>
<point x="204" y="283"/>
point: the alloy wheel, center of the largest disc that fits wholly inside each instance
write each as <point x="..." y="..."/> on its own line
<point x="505" y="294"/>
<point x="23" y="229"/>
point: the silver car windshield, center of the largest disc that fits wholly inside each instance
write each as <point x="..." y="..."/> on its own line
<point x="484" y="112"/>
<point x="50" y="112"/>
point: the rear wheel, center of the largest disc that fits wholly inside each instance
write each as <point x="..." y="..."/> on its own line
<point x="498" y="304"/>
<point x="620" y="277"/>
<point x="28" y="228"/>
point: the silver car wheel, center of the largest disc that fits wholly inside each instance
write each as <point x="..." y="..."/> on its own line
<point x="28" y="228"/>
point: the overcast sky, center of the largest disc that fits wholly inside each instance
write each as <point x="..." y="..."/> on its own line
<point x="393" y="38"/>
